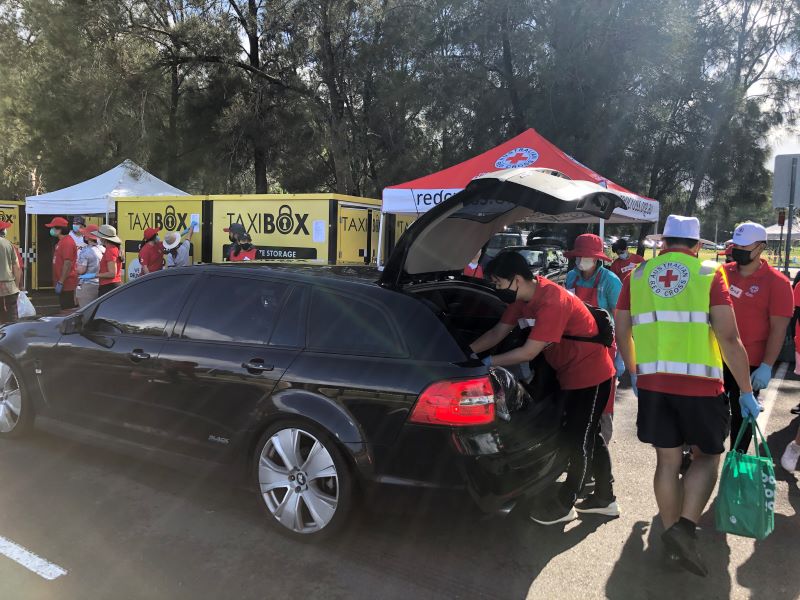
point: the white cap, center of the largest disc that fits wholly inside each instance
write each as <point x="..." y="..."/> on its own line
<point x="682" y="227"/>
<point x="748" y="233"/>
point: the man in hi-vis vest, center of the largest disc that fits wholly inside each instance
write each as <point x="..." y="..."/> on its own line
<point x="675" y="322"/>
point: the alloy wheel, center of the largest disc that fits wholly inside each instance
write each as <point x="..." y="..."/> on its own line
<point x="10" y="399"/>
<point x="298" y="480"/>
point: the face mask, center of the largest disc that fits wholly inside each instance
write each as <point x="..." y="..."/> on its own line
<point x="585" y="264"/>
<point x="507" y="295"/>
<point x="76" y="228"/>
<point x="624" y="255"/>
<point x="157" y="238"/>
<point x="741" y="257"/>
<point x="53" y="231"/>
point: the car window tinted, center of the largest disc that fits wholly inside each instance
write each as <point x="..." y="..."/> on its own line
<point x="235" y="309"/>
<point x="348" y="325"/>
<point x="144" y="308"/>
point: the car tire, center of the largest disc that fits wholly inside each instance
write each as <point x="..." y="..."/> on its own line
<point x="16" y="412"/>
<point x="303" y="481"/>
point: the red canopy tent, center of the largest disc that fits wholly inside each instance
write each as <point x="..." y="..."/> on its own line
<point x="528" y="149"/>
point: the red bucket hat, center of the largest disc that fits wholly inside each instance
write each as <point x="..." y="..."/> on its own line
<point x="88" y="232"/>
<point x="5" y="224"/>
<point x="588" y="245"/>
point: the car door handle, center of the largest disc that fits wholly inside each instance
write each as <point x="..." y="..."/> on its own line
<point x="257" y="365"/>
<point x="137" y="355"/>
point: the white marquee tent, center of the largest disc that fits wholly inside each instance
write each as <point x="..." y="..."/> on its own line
<point x="96" y="196"/>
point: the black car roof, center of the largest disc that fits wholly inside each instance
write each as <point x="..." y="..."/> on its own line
<point x="335" y="274"/>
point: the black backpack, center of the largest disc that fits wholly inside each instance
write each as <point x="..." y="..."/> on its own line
<point x="605" y="328"/>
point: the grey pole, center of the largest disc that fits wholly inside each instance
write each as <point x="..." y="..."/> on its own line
<point x="791" y="217"/>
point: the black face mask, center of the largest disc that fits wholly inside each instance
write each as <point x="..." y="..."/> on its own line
<point x="741" y="257"/>
<point x="507" y="295"/>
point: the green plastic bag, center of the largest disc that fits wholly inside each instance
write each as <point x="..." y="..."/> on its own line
<point x="746" y="501"/>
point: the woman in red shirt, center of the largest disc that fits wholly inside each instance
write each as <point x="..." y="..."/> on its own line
<point x="110" y="270"/>
<point x="151" y="254"/>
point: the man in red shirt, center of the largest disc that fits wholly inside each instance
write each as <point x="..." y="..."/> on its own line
<point x="584" y="370"/>
<point x="625" y="262"/>
<point x="762" y="301"/>
<point x="151" y="254"/>
<point x="65" y="263"/>
<point x="681" y="403"/>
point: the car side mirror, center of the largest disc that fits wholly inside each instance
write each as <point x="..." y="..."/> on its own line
<point x="72" y="324"/>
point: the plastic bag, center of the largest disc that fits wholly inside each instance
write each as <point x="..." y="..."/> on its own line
<point x="745" y="504"/>
<point x="25" y="307"/>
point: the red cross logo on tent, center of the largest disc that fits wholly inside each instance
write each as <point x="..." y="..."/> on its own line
<point x="516" y="158"/>
<point x="669" y="279"/>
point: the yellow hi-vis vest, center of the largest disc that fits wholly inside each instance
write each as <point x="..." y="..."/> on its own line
<point x="670" y="311"/>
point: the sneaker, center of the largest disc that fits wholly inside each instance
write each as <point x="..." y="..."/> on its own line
<point x="790" y="456"/>
<point x="596" y="506"/>
<point x="555" y="515"/>
<point x="684" y="545"/>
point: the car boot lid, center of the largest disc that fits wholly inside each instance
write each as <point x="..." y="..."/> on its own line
<point x="443" y="240"/>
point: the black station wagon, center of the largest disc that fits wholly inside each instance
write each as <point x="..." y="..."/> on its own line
<point x="318" y="384"/>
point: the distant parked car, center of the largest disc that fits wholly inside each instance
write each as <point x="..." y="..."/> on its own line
<point x="499" y="241"/>
<point x="546" y="261"/>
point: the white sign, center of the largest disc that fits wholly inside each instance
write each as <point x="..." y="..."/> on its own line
<point x="782" y="181"/>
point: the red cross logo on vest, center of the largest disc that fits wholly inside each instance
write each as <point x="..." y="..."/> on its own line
<point x="669" y="279"/>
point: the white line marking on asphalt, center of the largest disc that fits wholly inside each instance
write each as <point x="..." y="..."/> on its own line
<point x="33" y="562"/>
<point x="769" y="397"/>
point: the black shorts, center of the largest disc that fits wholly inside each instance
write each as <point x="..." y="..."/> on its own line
<point x="670" y="421"/>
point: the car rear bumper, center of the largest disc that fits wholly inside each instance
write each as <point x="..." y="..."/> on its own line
<point x="496" y="480"/>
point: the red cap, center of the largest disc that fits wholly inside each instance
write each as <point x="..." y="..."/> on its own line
<point x="588" y="245"/>
<point x="86" y="232"/>
<point x="58" y="222"/>
<point x="5" y="224"/>
<point x="150" y="232"/>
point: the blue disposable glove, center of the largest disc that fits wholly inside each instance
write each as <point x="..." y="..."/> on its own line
<point x="761" y="376"/>
<point x="633" y="385"/>
<point x="487" y="360"/>
<point x="749" y="405"/>
<point x="87" y="276"/>
<point x="59" y="287"/>
<point x="619" y="364"/>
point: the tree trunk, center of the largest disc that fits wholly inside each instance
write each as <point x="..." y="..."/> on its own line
<point x="172" y="133"/>
<point x="518" y="120"/>
<point x="254" y="58"/>
<point x="339" y="142"/>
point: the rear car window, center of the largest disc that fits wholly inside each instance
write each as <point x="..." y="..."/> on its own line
<point x="235" y="309"/>
<point x="348" y="325"/>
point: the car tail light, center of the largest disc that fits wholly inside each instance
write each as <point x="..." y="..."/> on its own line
<point x="460" y="402"/>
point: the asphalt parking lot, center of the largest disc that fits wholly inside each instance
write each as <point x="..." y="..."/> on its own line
<point x="104" y="525"/>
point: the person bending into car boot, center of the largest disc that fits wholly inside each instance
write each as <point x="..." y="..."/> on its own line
<point x="584" y="370"/>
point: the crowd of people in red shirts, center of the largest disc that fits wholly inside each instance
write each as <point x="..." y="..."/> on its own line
<point x="750" y="306"/>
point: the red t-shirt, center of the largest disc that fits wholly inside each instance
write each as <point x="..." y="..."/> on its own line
<point x="152" y="256"/>
<point x="477" y="272"/>
<point x="623" y="268"/>
<point x="681" y="385"/>
<point x="764" y="294"/>
<point x="111" y="255"/>
<point x="554" y="312"/>
<point x="244" y="255"/>
<point x="797" y="324"/>
<point x="66" y="250"/>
